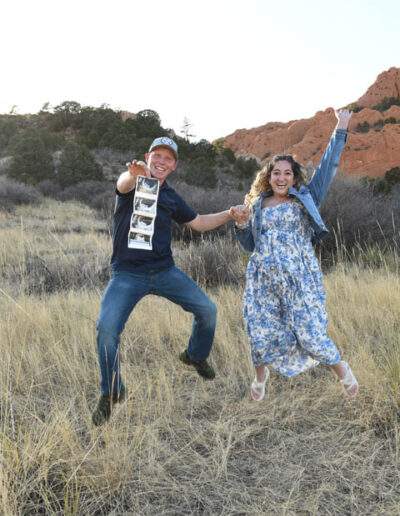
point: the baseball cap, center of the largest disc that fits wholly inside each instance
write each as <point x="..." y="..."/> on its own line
<point x="164" y="141"/>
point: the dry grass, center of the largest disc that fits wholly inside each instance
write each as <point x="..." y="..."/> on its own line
<point x="52" y="247"/>
<point x="181" y="445"/>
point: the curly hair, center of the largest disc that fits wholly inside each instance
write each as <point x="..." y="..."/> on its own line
<point x="261" y="182"/>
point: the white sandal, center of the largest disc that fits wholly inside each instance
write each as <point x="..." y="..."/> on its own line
<point x="257" y="386"/>
<point x="349" y="381"/>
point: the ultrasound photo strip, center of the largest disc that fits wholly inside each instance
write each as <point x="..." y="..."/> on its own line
<point x="139" y="241"/>
<point x="144" y="213"/>
<point x="147" y="187"/>
<point x="142" y="224"/>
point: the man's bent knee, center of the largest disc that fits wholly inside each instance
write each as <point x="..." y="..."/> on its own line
<point x="209" y="312"/>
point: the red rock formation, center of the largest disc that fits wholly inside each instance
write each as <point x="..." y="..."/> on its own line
<point x="387" y="84"/>
<point x="372" y="148"/>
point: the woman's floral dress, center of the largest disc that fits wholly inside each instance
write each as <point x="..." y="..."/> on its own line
<point x="284" y="299"/>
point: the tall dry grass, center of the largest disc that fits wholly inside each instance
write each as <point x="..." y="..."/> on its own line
<point x="181" y="445"/>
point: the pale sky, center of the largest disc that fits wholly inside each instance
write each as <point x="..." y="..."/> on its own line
<point x="223" y="64"/>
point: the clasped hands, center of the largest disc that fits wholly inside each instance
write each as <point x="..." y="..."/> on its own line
<point x="240" y="214"/>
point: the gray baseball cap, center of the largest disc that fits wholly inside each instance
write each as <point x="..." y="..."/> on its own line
<point x="166" y="142"/>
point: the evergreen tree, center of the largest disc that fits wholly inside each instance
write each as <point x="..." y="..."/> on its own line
<point x="64" y="114"/>
<point x="8" y="128"/>
<point x="77" y="164"/>
<point x="201" y="173"/>
<point x="32" y="162"/>
<point x="148" y="124"/>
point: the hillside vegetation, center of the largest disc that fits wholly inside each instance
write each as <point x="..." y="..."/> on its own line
<point x="180" y="445"/>
<point x="71" y="143"/>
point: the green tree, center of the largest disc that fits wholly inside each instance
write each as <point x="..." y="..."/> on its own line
<point x="77" y="164"/>
<point x="246" y="167"/>
<point x="148" y="115"/>
<point x="201" y="173"/>
<point x="363" y="127"/>
<point x="64" y="115"/>
<point x="8" y="128"/>
<point x="204" y="149"/>
<point x="228" y="154"/>
<point x="148" y="124"/>
<point x="354" y="107"/>
<point x="32" y="161"/>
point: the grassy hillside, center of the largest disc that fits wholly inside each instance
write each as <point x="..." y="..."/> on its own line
<point x="181" y="445"/>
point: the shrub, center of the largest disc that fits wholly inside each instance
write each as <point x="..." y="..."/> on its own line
<point x="356" y="213"/>
<point x="14" y="194"/>
<point x="392" y="176"/>
<point x="201" y="173"/>
<point x="8" y="127"/>
<point x="203" y="202"/>
<point x="228" y="154"/>
<point x="381" y="186"/>
<point x="213" y="261"/>
<point x="142" y="146"/>
<point x="48" y="188"/>
<point x="80" y="269"/>
<point x="390" y="120"/>
<point x="77" y="164"/>
<point x="32" y="162"/>
<point x="354" y="107"/>
<point x="386" y="103"/>
<point x="5" y="164"/>
<point x="246" y="167"/>
<point x="363" y="128"/>
<point x="205" y="150"/>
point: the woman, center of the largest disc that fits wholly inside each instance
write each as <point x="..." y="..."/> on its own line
<point x="284" y="299"/>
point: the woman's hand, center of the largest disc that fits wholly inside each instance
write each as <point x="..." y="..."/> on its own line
<point x="343" y="116"/>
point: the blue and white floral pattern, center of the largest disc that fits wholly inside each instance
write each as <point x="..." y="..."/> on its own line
<point x="284" y="299"/>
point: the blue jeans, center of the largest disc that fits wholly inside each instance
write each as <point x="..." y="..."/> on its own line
<point x="124" y="291"/>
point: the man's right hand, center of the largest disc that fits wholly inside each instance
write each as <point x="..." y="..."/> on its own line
<point x="138" y="168"/>
<point x="127" y="180"/>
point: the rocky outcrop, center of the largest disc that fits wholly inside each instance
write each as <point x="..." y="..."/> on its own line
<point x="387" y="84"/>
<point x="373" y="144"/>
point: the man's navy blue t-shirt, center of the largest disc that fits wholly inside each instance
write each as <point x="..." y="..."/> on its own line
<point x="169" y="206"/>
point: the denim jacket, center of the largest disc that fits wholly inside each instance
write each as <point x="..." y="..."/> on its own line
<point x="311" y="196"/>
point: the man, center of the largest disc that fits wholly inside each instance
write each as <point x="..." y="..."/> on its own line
<point x="137" y="272"/>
